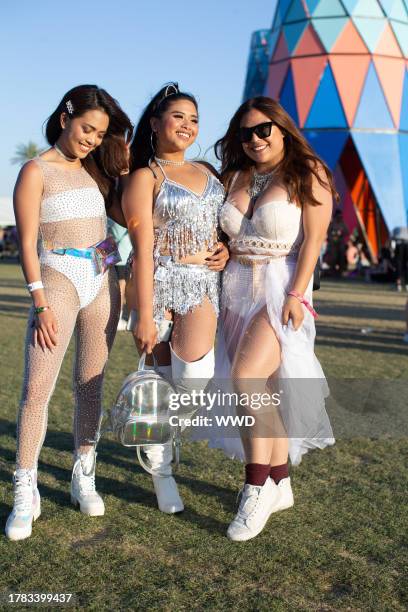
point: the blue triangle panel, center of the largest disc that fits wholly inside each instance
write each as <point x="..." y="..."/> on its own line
<point x="328" y="144"/>
<point x="404" y="103"/>
<point x="329" y="29"/>
<point x="385" y="178"/>
<point x="349" y="5"/>
<point x="280" y="12"/>
<point x="326" y="111"/>
<point x="370" y="30"/>
<point x="287" y="97"/>
<point x="293" y="33"/>
<point x="401" y="32"/>
<point x="372" y="110"/>
<point x="403" y="143"/>
<point x="326" y="8"/>
<point x="367" y="8"/>
<point x="394" y="9"/>
<point x="296" y="12"/>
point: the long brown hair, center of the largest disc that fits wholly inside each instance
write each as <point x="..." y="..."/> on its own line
<point x="299" y="164"/>
<point x="106" y="163"/>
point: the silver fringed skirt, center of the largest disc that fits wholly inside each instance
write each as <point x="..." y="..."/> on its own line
<point x="181" y="287"/>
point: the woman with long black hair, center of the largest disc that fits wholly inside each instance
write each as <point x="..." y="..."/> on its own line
<point x="171" y="206"/>
<point x="61" y="202"/>
<point x="276" y="215"/>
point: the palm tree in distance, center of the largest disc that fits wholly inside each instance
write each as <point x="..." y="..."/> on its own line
<point x="25" y="152"/>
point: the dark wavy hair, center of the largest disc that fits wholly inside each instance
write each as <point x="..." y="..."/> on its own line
<point x="110" y="158"/>
<point x="141" y="149"/>
<point x="299" y="164"/>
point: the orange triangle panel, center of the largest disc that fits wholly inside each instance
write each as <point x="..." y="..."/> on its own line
<point x="307" y="72"/>
<point x="309" y="44"/>
<point x="349" y="73"/>
<point x="387" y="45"/>
<point x="276" y="76"/>
<point x="349" y="41"/>
<point x="391" y="73"/>
<point x="281" y="51"/>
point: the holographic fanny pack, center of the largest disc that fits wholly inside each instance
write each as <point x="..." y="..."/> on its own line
<point x="104" y="253"/>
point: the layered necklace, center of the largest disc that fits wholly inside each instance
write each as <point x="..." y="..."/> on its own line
<point x="259" y="182"/>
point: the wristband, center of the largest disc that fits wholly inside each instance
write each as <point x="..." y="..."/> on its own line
<point x="34" y="286"/>
<point x="40" y="309"/>
<point x="304" y="301"/>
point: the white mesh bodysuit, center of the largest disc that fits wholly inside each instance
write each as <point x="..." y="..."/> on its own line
<point x="84" y="301"/>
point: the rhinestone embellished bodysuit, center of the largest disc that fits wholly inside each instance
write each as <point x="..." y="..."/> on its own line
<point x="184" y="223"/>
<point x="72" y="215"/>
<point x="83" y="301"/>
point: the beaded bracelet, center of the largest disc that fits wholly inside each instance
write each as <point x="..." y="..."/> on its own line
<point x="40" y="309"/>
<point x="304" y="301"/>
<point x="34" y="286"/>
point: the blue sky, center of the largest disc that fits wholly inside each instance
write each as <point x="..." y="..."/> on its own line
<point x="128" y="47"/>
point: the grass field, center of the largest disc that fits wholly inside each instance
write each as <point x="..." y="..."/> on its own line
<point x="342" y="547"/>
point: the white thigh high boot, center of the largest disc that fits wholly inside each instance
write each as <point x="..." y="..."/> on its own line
<point x="160" y="457"/>
<point x="193" y="376"/>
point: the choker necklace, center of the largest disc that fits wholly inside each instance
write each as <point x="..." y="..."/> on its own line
<point x="68" y="159"/>
<point x="170" y="162"/>
<point x="259" y="182"/>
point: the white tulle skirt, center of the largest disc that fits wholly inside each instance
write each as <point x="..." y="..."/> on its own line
<point x="245" y="291"/>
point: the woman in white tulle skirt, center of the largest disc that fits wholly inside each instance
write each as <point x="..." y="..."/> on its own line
<point x="276" y="216"/>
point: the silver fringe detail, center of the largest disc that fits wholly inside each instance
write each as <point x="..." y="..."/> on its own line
<point x="182" y="287"/>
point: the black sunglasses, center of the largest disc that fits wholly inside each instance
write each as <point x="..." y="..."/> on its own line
<point x="262" y="130"/>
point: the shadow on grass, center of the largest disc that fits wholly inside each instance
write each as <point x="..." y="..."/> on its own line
<point x="125" y="490"/>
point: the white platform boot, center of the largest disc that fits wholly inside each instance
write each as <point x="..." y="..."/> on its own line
<point x="193" y="375"/>
<point x="160" y="457"/>
<point x="83" y="491"/>
<point x="27" y="505"/>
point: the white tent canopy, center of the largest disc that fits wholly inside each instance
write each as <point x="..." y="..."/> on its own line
<point x="6" y="211"/>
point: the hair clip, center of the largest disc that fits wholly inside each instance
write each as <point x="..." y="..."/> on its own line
<point x="70" y="107"/>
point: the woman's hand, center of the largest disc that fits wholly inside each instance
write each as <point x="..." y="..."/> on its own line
<point x="46" y="330"/>
<point x="218" y="260"/>
<point x="145" y="335"/>
<point x="293" y="309"/>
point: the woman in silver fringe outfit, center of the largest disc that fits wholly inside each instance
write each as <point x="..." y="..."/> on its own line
<point x="171" y="206"/>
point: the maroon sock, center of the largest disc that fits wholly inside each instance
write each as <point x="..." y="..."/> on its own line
<point x="277" y="472"/>
<point x="256" y="474"/>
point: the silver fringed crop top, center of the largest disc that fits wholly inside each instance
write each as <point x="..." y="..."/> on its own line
<point x="185" y="222"/>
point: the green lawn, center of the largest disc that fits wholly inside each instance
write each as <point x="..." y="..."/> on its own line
<point x="342" y="547"/>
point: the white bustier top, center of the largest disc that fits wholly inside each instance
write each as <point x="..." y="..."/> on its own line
<point x="274" y="230"/>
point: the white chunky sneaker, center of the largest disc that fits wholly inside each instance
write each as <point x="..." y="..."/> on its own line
<point x="285" y="497"/>
<point x="27" y="505"/>
<point x="83" y="490"/>
<point x="165" y="487"/>
<point x="255" y="508"/>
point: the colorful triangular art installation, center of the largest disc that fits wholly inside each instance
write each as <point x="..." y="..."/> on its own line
<point x="349" y="41"/>
<point x="307" y="72"/>
<point x="326" y="8"/>
<point x="326" y="110"/>
<point x="369" y="8"/>
<point x="309" y="44"/>
<point x="404" y="105"/>
<point x="387" y="45"/>
<point x="328" y="144"/>
<point x="372" y="111"/>
<point x="287" y="97"/>
<point x="370" y="30"/>
<point x="328" y="30"/>
<point x="391" y="72"/>
<point x="394" y="9"/>
<point x="276" y="77"/>
<point x="350" y="72"/>
<point x="401" y="32"/>
<point x="380" y="156"/>
<point x="296" y="12"/>
<point x="403" y="146"/>
<point x="293" y="33"/>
